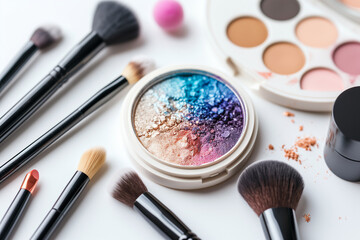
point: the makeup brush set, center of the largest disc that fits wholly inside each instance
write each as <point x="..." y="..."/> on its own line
<point x="192" y="127"/>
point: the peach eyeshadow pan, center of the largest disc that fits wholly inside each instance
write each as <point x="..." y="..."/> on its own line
<point x="316" y="32"/>
<point x="352" y="3"/>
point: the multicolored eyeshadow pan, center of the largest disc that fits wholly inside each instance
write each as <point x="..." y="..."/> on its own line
<point x="189" y="119"/>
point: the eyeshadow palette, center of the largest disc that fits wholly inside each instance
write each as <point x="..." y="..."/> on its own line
<point x="188" y="127"/>
<point x="294" y="53"/>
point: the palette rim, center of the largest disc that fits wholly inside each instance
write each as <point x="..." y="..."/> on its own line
<point x="179" y="176"/>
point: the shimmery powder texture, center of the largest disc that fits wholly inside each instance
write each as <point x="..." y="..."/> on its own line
<point x="189" y="119"/>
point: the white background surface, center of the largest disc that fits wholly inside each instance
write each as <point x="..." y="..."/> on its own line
<point x="215" y="213"/>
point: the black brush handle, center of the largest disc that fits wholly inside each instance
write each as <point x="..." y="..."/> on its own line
<point x="43" y="142"/>
<point x="36" y="97"/>
<point x="163" y="218"/>
<point x="17" y="64"/>
<point x="13" y="214"/>
<point x="280" y="223"/>
<point x="65" y="201"/>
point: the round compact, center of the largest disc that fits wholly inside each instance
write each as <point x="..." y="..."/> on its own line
<point x="188" y="127"/>
<point x="342" y="149"/>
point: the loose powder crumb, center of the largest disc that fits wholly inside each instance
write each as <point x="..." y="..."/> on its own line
<point x="291" y="154"/>
<point x="301" y="127"/>
<point x="288" y="114"/>
<point x="307" y="217"/>
<point x="271" y="147"/>
<point x="306" y="143"/>
<point x="292" y="121"/>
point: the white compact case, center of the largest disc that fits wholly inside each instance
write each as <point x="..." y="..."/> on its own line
<point x="248" y="64"/>
<point x="179" y="176"/>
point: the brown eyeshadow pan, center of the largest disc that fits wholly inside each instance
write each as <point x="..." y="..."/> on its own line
<point x="280" y="9"/>
<point x="247" y="32"/>
<point x="284" y="58"/>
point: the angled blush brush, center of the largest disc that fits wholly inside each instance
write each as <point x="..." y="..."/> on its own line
<point x="112" y="23"/>
<point x="133" y="72"/>
<point x="131" y="191"/>
<point x="90" y="163"/>
<point x="18" y="205"/>
<point x="42" y="38"/>
<point x="273" y="190"/>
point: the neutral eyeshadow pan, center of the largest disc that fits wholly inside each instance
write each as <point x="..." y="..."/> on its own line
<point x="284" y="58"/>
<point x="316" y="32"/>
<point x="247" y="32"/>
<point x="189" y="119"/>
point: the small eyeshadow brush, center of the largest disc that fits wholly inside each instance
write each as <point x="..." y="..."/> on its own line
<point x="273" y="190"/>
<point x="131" y="191"/>
<point x="133" y="72"/>
<point x="112" y="23"/>
<point x="90" y="163"/>
<point x="18" y="205"/>
<point x="42" y="38"/>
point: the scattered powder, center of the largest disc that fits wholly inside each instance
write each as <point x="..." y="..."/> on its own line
<point x="289" y="114"/>
<point x="307" y="217"/>
<point x="291" y="154"/>
<point x="266" y="75"/>
<point x="306" y="143"/>
<point x="301" y="127"/>
<point x="271" y="147"/>
<point x="292" y="121"/>
<point x="189" y="119"/>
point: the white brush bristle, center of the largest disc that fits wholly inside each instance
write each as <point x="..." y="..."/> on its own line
<point x="138" y="68"/>
<point x="54" y="31"/>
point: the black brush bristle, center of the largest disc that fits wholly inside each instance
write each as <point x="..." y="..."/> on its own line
<point x="115" y="23"/>
<point x="270" y="184"/>
<point x="129" y="188"/>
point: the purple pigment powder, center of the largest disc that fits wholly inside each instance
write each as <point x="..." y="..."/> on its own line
<point x="189" y="119"/>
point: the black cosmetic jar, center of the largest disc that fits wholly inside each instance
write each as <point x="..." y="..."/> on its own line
<point x="342" y="148"/>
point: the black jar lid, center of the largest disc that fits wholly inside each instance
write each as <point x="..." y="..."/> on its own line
<point x="346" y="124"/>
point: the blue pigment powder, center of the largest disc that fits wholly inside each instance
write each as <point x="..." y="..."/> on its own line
<point x="189" y="119"/>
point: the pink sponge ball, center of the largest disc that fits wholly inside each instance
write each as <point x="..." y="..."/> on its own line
<point x="168" y="14"/>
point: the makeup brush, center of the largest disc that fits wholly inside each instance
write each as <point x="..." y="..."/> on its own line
<point x="42" y="38"/>
<point x="112" y="23"/>
<point x="273" y="190"/>
<point x="134" y="71"/>
<point x="131" y="191"/>
<point x="90" y="163"/>
<point x="18" y="205"/>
